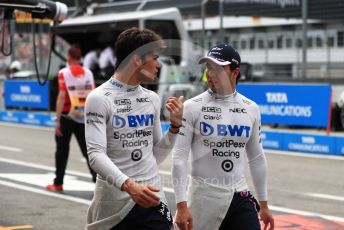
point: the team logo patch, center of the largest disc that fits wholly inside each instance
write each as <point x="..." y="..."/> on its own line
<point x="224" y="130"/>
<point x="211" y="109"/>
<point x="122" y="102"/>
<point x="118" y="122"/>
<point x="136" y="155"/>
<point x="206" y="129"/>
<point x="227" y="165"/>
<point x="237" y="110"/>
<point x="142" y="100"/>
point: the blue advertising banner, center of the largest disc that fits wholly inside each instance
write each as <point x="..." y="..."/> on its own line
<point x="10" y="116"/>
<point x="303" y="105"/>
<point x="31" y="118"/>
<point x="48" y="120"/>
<point x="272" y="140"/>
<point x="309" y="143"/>
<point x="26" y="94"/>
<point x="339" y="145"/>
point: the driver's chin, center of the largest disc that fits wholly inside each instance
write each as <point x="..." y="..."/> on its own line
<point x="150" y="77"/>
<point x="147" y="76"/>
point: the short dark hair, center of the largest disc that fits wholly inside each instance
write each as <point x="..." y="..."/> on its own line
<point x="135" y="41"/>
<point x="75" y="53"/>
<point x="232" y="68"/>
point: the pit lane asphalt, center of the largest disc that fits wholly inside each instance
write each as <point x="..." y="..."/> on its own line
<point x="300" y="183"/>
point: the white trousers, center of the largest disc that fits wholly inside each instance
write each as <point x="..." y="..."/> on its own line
<point x="110" y="205"/>
<point x="209" y="203"/>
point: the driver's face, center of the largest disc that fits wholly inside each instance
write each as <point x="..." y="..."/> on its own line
<point x="217" y="77"/>
<point x="150" y="67"/>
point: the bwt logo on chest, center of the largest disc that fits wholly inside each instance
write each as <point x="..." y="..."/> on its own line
<point x="224" y="130"/>
<point x="133" y="121"/>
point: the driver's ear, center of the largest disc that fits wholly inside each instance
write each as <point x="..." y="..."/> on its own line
<point x="237" y="72"/>
<point x="136" y="59"/>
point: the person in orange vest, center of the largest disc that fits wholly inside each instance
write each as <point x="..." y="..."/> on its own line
<point x="74" y="83"/>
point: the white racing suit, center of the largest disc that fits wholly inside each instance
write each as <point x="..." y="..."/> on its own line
<point x="124" y="140"/>
<point x="222" y="134"/>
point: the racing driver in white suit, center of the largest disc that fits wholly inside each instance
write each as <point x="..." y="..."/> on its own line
<point x="221" y="127"/>
<point x="124" y="139"/>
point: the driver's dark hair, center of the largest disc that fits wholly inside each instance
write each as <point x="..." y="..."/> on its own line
<point x="136" y="41"/>
<point x="232" y="67"/>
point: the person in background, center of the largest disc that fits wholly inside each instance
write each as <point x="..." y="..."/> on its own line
<point x="340" y="104"/>
<point x="221" y="127"/>
<point x="8" y="73"/>
<point x="107" y="62"/>
<point x="75" y="83"/>
<point x="90" y="60"/>
<point x="125" y="142"/>
<point x="13" y="68"/>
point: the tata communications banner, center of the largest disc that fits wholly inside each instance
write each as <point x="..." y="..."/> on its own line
<point x="303" y="105"/>
<point x="26" y="94"/>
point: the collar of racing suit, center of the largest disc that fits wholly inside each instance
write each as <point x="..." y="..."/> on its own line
<point x="222" y="97"/>
<point x="123" y="86"/>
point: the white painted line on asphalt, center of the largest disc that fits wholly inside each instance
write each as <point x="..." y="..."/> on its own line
<point x="75" y="173"/>
<point x="39" y="191"/>
<point x="38" y="166"/>
<point x="8" y="148"/>
<point x="300" y="154"/>
<point x="53" y="194"/>
<point x="305" y="213"/>
<point x="326" y="196"/>
<point x="88" y="202"/>
<point x="9" y="124"/>
<point x="71" y="183"/>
